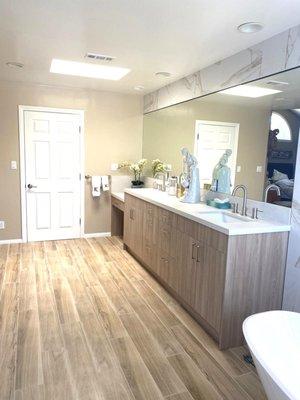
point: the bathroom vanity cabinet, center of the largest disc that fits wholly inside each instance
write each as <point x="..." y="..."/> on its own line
<point x="219" y="279"/>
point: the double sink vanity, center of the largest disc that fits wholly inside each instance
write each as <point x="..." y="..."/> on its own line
<point x="221" y="266"/>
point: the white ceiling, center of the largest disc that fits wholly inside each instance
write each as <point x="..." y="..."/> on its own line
<point x="179" y="36"/>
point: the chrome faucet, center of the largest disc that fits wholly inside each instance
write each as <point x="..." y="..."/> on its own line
<point x="244" y="189"/>
<point x="163" y="186"/>
<point x="269" y="187"/>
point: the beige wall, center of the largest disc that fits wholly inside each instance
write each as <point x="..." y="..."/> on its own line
<point x="168" y="130"/>
<point x="113" y="132"/>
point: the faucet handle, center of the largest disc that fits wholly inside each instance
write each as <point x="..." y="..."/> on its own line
<point x="255" y="212"/>
<point x="235" y="208"/>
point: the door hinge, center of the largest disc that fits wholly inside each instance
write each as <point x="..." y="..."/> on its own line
<point x="79" y="221"/>
<point x="197" y="136"/>
<point x="79" y="176"/>
<point x="79" y="129"/>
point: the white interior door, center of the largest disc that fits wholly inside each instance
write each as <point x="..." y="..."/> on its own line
<point x="212" y="139"/>
<point x="52" y="175"/>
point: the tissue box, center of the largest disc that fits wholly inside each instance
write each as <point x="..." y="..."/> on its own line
<point x="223" y="206"/>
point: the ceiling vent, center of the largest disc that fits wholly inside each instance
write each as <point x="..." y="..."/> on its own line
<point x="99" y="57"/>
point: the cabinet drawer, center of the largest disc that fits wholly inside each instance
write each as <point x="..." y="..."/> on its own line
<point x="167" y="217"/>
<point x="117" y="203"/>
<point x="151" y="211"/>
<point x="202" y="233"/>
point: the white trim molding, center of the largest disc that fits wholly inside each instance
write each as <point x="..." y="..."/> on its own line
<point x="22" y="110"/>
<point x="11" y="241"/>
<point x="97" y="234"/>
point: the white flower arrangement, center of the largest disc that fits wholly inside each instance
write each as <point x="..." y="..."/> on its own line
<point x="157" y="166"/>
<point x="135" y="168"/>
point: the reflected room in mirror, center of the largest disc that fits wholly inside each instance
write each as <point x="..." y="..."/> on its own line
<point x="246" y="135"/>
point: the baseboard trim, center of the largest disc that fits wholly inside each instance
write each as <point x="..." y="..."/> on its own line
<point x="97" y="234"/>
<point x="11" y="241"/>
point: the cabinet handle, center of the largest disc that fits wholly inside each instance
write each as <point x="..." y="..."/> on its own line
<point x="198" y="248"/>
<point x="131" y="214"/>
<point x="193" y="248"/>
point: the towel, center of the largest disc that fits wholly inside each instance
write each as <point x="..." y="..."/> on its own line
<point x="105" y="183"/>
<point x="96" y="186"/>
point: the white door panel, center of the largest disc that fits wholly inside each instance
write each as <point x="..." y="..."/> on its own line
<point x="212" y="139"/>
<point x="52" y="159"/>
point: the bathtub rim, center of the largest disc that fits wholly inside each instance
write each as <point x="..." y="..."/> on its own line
<point x="276" y="379"/>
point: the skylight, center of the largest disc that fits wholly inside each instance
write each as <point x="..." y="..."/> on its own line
<point x="87" y="70"/>
<point x="250" y="91"/>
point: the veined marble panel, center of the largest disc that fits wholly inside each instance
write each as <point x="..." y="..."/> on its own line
<point x="279" y="53"/>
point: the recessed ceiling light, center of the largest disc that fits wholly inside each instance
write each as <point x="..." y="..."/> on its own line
<point x="165" y="74"/>
<point x="250" y="27"/>
<point x="250" y="91"/>
<point x="139" y="88"/>
<point x="87" y="70"/>
<point x="13" y="64"/>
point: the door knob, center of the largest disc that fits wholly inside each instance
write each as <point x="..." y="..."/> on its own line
<point x="30" y="186"/>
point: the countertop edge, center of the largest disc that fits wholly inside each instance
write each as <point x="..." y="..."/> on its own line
<point x="274" y="228"/>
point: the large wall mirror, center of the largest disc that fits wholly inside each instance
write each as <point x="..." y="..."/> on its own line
<point x="257" y="122"/>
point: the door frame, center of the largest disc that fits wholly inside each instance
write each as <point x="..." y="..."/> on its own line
<point x="22" y="110"/>
<point x="235" y="125"/>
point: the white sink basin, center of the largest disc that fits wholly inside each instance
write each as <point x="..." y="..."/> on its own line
<point x="224" y="217"/>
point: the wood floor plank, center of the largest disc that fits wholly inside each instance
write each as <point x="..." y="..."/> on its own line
<point x="180" y="396"/>
<point x="222" y="382"/>
<point x="196" y="383"/>
<point x="109" y="318"/>
<point x="169" y="345"/>
<point x="137" y="374"/>
<point x="226" y="359"/>
<point x="158" y="365"/>
<point x="12" y="268"/>
<point x="3" y="259"/>
<point x="118" y="301"/>
<point x="8" y="339"/>
<point x="252" y="385"/>
<point x="168" y="317"/>
<point x="29" y="366"/>
<point x="81" y="363"/>
<point x="30" y="393"/>
<point x="82" y="320"/>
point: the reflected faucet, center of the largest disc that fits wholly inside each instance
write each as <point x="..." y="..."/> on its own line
<point x="268" y="188"/>
<point x="244" y="189"/>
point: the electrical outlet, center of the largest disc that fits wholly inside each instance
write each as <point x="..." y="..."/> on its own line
<point x="238" y="168"/>
<point x="2" y="225"/>
<point x="13" y="165"/>
<point x="259" y="168"/>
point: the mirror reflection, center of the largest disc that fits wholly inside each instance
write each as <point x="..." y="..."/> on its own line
<point x="244" y="135"/>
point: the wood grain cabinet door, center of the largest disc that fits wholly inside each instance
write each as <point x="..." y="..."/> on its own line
<point x="187" y="267"/>
<point x="209" y="279"/>
<point x="133" y="223"/>
<point x="150" y="239"/>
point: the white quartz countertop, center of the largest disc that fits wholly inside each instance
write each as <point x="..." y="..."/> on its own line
<point x="118" y="195"/>
<point x="201" y="213"/>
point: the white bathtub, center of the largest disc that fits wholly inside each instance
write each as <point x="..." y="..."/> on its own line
<point x="273" y="338"/>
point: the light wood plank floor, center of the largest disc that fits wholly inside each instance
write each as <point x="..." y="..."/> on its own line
<point x="81" y="319"/>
